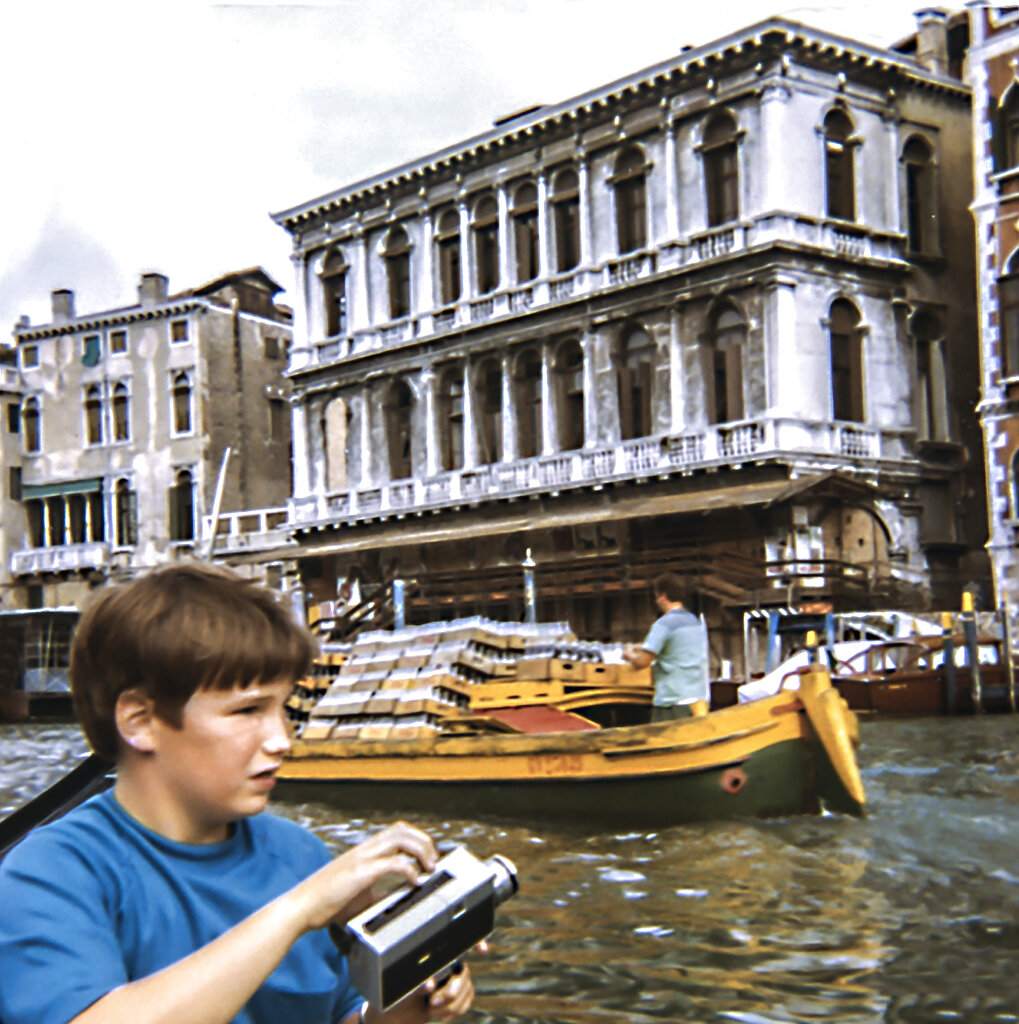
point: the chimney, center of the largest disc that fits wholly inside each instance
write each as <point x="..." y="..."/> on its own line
<point x="62" y="304"/>
<point x="152" y="289"/>
<point x="932" y="39"/>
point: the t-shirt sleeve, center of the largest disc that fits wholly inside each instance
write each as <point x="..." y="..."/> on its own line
<point x="58" y="948"/>
<point x="656" y="637"/>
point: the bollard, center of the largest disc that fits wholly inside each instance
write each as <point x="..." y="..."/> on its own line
<point x="399" y="605"/>
<point x="1007" y="661"/>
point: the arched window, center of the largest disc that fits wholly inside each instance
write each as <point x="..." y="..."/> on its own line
<point x="181" y="510"/>
<point x="839" y="166"/>
<point x="447" y="251"/>
<point x="930" y="399"/>
<point x="30" y="425"/>
<point x="451" y="417"/>
<point x="334" y="293"/>
<point x="485" y="228"/>
<point x="125" y="511"/>
<point x="528" y="399"/>
<point x="569" y="369"/>
<point x="566" y="219"/>
<point x="397" y="260"/>
<point x="630" y="186"/>
<point x="1006" y="131"/>
<point x="397" y="410"/>
<point x="93" y="414"/>
<point x="1008" y="318"/>
<point x="180" y="396"/>
<point x="488" y="389"/>
<point x="634" y="362"/>
<point x="845" y="344"/>
<point x="121" y="411"/>
<point x="921" y="205"/>
<point x="721" y="170"/>
<point x="525" y="232"/>
<point x="727" y="335"/>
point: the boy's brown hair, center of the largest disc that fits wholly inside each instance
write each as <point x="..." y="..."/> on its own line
<point x="174" y="631"/>
<point x="672" y="587"/>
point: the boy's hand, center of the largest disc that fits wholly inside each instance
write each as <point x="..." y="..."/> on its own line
<point x="448" y="1001"/>
<point x="343" y="888"/>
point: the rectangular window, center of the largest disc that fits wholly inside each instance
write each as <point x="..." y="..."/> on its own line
<point x="118" y="341"/>
<point x="273" y="347"/>
<point x="90" y="350"/>
<point x="14" y="483"/>
<point x="178" y="331"/>
<point x="29" y="356"/>
<point x="13" y="418"/>
<point x="277" y="419"/>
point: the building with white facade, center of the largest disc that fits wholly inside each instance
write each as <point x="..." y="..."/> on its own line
<point x="125" y="416"/>
<point x="716" y="317"/>
<point x="993" y="72"/>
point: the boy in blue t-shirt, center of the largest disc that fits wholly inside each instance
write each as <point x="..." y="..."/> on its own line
<point x="171" y="898"/>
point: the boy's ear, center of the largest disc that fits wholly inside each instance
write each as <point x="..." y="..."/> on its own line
<point x="134" y="716"/>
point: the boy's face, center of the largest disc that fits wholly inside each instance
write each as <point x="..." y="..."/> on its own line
<point x="221" y="764"/>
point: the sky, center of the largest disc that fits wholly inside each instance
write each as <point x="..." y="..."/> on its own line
<point x="161" y="136"/>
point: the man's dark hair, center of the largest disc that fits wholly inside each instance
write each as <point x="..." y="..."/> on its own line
<point x="174" y="631"/>
<point x="672" y="587"/>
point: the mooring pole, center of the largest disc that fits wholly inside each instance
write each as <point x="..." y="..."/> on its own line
<point x="1007" y="661"/>
<point x="399" y="612"/>
<point x="530" y="593"/>
<point x="948" y="649"/>
<point x="969" y="633"/>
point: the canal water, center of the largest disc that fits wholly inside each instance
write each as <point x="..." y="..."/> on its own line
<point x="908" y="915"/>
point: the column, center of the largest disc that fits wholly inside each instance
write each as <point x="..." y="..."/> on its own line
<point x="548" y="411"/>
<point x="583" y="185"/>
<point x="470" y="439"/>
<point x="784" y="371"/>
<point x="86" y="532"/>
<point x="68" y="537"/>
<point x="589" y="346"/>
<point x="365" y="439"/>
<point x="544" y="246"/>
<point x="892" y="177"/>
<point x="299" y="438"/>
<point x="432" y="462"/>
<point x="509" y="424"/>
<point x="505" y="271"/>
<point x="672" y="226"/>
<point x="677" y="421"/>
<point x="426" y="280"/>
<point x="360" y="309"/>
<point x="771" y="171"/>
<point x="316" y="445"/>
<point x="300" y="352"/>
<point x="45" y="517"/>
<point x="466" y="284"/>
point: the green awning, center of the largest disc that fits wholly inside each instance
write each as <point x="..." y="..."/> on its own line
<point x="61" y="487"/>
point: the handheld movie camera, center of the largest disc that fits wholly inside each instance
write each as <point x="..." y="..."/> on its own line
<point x="416" y="932"/>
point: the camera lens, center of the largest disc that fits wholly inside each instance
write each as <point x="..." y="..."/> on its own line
<point x="504" y="875"/>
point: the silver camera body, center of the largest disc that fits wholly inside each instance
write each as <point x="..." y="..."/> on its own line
<point x="416" y="932"/>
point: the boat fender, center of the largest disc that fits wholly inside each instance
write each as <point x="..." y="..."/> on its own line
<point x="733" y="780"/>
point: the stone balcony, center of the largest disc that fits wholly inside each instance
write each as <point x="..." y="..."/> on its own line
<point x="66" y="558"/>
<point x="814" y="446"/>
<point x="845" y="239"/>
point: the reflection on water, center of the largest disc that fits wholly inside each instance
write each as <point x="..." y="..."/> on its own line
<point x="909" y="915"/>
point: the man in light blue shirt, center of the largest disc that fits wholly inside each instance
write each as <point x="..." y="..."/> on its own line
<point x="676" y="648"/>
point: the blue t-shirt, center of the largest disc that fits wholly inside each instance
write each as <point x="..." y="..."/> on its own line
<point x="96" y="900"/>
<point x="679" y="642"/>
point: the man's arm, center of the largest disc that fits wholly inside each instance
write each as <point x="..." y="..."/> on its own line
<point x="636" y="656"/>
<point x="211" y="985"/>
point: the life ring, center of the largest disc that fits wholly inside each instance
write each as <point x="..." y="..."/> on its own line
<point x="733" y="780"/>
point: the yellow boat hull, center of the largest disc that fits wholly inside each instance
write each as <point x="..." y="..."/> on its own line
<point x="762" y="758"/>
